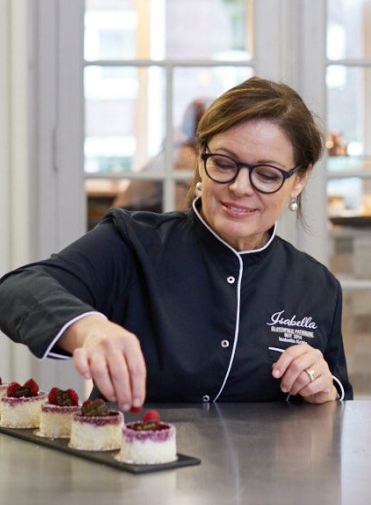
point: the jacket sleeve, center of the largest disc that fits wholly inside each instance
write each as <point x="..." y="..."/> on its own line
<point x="335" y="355"/>
<point x="38" y="300"/>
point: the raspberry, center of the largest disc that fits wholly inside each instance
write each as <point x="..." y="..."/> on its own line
<point x="151" y="415"/>
<point x="74" y="397"/>
<point x="134" y="410"/>
<point x="52" y="397"/>
<point x="33" y="386"/>
<point x="87" y="402"/>
<point x="12" y="389"/>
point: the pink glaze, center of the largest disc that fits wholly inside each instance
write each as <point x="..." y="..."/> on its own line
<point x="114" y="418"/>
<point x="14" y="402"/>
<point x="49" y="407"/>
<point x="162" y="434"/>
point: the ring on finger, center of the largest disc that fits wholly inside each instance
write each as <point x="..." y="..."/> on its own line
<point x="311" y="373"/>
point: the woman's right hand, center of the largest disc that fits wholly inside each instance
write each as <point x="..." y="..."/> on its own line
<point x="111" y="356"/>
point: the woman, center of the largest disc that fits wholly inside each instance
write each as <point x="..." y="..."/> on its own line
<point x="207" y="304"/>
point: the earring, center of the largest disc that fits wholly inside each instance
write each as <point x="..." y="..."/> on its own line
<point x="199" y="186"/>
<point x="293" y="205"/>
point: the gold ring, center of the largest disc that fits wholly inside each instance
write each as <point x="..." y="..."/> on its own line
<point x="311" y="373"/>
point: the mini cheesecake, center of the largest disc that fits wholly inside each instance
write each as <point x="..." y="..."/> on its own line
<point x="96" y="428"/>
<point x="21" y="405"/>
<point x="148" y="442"/>
<point x="56" y="414"/>
<point x="3" y="388"/>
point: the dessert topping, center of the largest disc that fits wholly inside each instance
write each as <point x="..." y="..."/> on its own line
<point x="96" y="407"/>
<point x="29" y="389"/>
<point x="150" y="421"/>
<point x="63" y="398"/>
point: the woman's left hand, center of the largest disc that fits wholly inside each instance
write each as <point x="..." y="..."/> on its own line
<point x="304" y="371"/>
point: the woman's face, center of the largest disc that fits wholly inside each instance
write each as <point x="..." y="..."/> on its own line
<point x="238" y="213"/>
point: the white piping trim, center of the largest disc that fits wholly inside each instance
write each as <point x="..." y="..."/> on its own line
<point x="49" y="354"/>
<point x="278" y="349"/>
<point x="252" y="251"/>
<point x="236" y="330"/>
<point x="341" y="388"/>
<point x="238" y="254"/>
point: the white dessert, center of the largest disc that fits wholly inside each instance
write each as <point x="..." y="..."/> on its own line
<point x="97" y="433"/>
<point x="3" y="388"/>
<point x="56" y="420"/>
<point x="148" y="447"/>
<point x="23" y="412"/>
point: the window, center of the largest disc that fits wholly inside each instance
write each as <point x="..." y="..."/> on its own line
<point x="348" y="82"/>
<point x="148" y="76"/>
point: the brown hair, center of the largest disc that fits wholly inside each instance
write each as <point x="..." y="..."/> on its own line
<point x="259" y="98"/>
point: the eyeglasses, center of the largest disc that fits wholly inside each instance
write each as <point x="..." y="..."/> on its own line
<point x="264" y="178"/>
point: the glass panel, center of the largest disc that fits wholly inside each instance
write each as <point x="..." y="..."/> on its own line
<point x="348" y="29"/>
<point x="124" y="117"/>
<point x="102" y="194"/>
<point x="164" y="29"/>
<point x="357" y="339"/>
<point x="349" y="142"/>
<point x="201" y="84"/>
<point x="194" y="28"/>
<point x="349" y="110"/>
<point x="110" y="29"/>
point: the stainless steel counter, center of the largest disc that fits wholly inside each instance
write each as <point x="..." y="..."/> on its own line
<point x="258" y="454"/>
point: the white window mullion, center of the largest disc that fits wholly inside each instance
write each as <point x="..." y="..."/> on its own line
<point x="71" y="211"/>
<point x="312" y="87"/>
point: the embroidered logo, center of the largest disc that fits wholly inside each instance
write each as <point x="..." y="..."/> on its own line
<point x="292" y="330"/>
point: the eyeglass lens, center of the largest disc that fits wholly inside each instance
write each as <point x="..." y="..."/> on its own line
<point x="224" y="169"/>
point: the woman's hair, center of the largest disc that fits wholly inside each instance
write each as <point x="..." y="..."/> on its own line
<point x="259" y="98"/>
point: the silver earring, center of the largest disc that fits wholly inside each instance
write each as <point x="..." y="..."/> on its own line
<point x="293" y="205"/>
<point x="199" y="186"/>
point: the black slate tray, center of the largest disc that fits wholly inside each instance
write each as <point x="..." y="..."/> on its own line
<point x="103" y="457"/>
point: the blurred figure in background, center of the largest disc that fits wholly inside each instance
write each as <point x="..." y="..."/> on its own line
<point x="147" y="195"/>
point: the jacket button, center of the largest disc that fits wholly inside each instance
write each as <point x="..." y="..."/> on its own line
<point x="206" y="398"/>
<point x="231" y="279"/>
<point x="225" y="343"/>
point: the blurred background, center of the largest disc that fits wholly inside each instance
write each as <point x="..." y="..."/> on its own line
<point x="99" y="101"/>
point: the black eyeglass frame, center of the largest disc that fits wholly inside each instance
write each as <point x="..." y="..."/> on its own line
<point x="286" y="174"/>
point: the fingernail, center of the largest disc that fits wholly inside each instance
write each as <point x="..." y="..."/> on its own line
<point x="137" y="402"/>
<point x="125" y="407"/>
<point x="276" y="373"/>
<point x="284" y="390"/>
<point x="113" y="398"/>
<point x="87" y="376"/>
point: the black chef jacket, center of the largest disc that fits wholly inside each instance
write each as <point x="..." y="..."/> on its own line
<point x="211" y="320"/>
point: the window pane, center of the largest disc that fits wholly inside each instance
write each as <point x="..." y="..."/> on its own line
<point x="349" y="108"/>
<point x="110" y="29"/>
<point x="168" y="29"/>
<point x="203" y="29"/>
<point x="349" y="140"/>
<point x="348" y="33"/>
<point x="349" y="170"/>
<point x="124" y="117"/>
